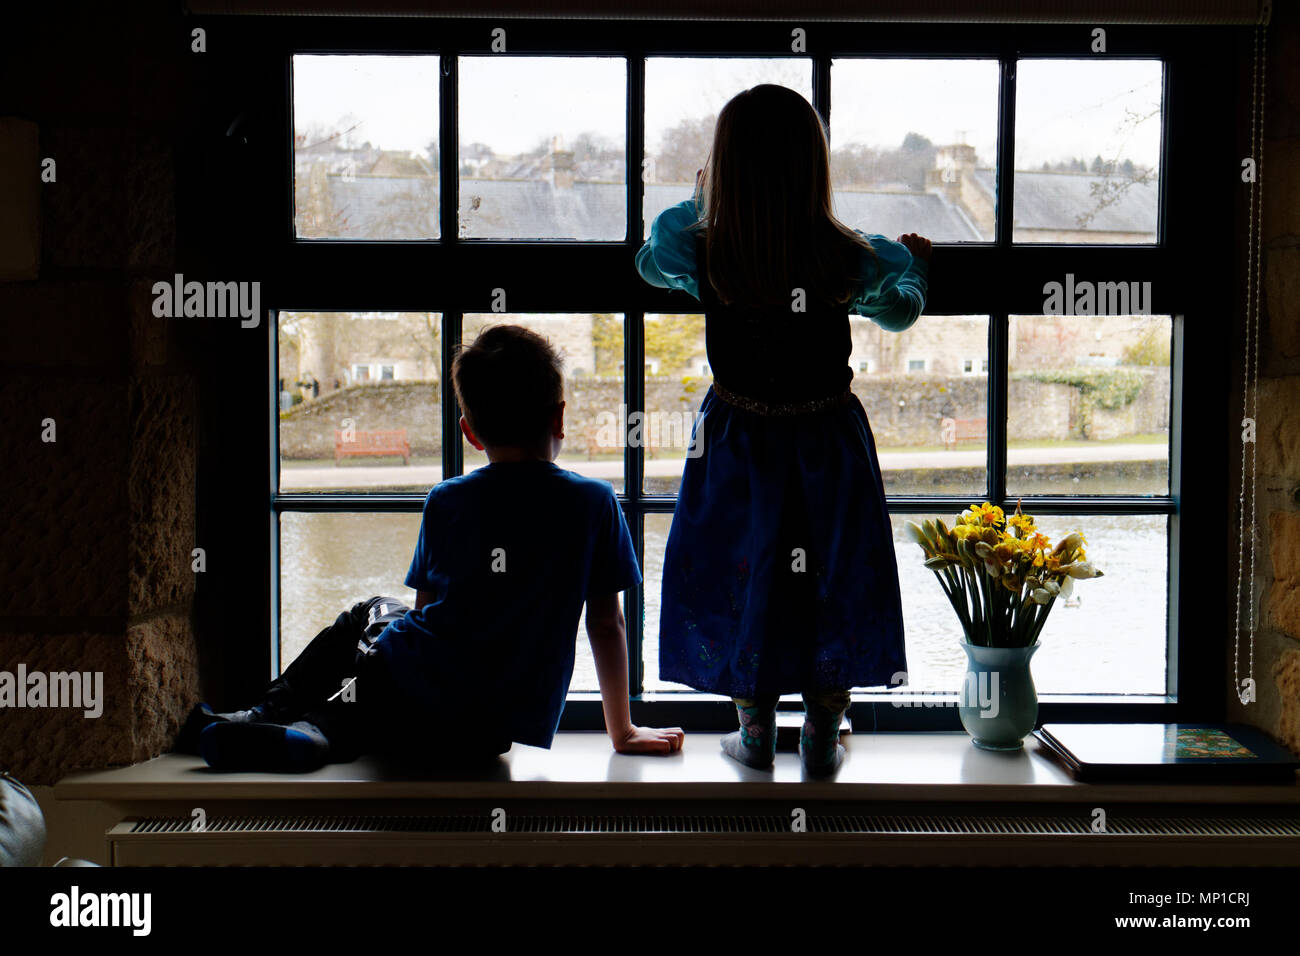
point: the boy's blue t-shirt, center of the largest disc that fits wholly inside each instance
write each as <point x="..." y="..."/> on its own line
<point x="510" y="552"/>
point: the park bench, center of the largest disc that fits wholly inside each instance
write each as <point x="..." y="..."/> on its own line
<point x="954" y="430"/>
<point x="372" y="445"/>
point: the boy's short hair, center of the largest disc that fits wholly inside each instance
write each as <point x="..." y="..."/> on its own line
<point x="508" y="383"/>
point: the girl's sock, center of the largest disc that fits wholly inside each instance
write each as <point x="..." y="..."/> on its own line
<point x="754" y="744"/>
<point x="269" y="748"/>
<point x="820" y="749"/>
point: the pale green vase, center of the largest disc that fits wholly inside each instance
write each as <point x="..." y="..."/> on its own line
<point x="998" y="703"/>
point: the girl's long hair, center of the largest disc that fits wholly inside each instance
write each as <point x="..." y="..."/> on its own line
<point x="766" y="203"/>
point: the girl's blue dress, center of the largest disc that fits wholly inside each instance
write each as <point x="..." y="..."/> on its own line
<point x="779" y="574"/>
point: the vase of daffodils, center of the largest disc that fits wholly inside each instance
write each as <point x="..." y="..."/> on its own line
<point x="1002" y="576"/>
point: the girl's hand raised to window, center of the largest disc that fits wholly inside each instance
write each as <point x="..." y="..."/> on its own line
<point x="918" y="246"/>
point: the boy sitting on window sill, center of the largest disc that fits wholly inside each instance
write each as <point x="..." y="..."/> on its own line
<point x="507" y="556"/>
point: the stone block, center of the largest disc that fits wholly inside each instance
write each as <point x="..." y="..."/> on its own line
<point x="63" y="325"/>
<point x="1280" y="177"/>
<point x="1282" y="114"/>
<point x="161" y="491"/>
<point x="1284" y="552"/>
<point x="150" y="337"/>
<point x="20" y="199"/>
<point x="150" y="226"/>
<point x="113" y="203"/>
<point x="163" y="674"/>
<point x="1278" y="429"/>
<point x="85" y="208"/>
<point x="1286" y="677"/>
<point x="149" y="682"/>
<point x="65" y="551"/>
<point x="1280" y="334"/>
<point x="41" y="745"/>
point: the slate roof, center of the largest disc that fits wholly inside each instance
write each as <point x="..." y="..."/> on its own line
<point x="405" y="208"/>
<point x="1053" y="201"/>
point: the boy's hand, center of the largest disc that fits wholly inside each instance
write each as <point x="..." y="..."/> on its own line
<point x="918" y="246"/>
<point x="650" y="740"/>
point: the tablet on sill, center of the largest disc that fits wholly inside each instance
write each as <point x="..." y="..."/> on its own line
<point x="1227" y="753"/>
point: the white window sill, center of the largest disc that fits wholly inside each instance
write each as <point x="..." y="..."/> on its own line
<point x="903" y="766"/>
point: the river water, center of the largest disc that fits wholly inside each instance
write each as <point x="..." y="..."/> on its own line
<point x="1113" y="642"/>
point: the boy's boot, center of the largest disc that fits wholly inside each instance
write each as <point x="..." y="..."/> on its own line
<point x="278" y="705"/>
<point x="820" y="749"/>
<point x="266" y="747"/>
<point x="754" y="744"/>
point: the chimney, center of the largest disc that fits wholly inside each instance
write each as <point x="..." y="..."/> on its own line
<point x="561" y="165"/>
<point x="952" y="164"/>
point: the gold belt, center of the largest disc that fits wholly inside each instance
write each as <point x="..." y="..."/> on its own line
<point x="789" y="408"/>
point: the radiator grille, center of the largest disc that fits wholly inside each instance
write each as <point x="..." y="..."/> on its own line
<point x="936" y="824"/>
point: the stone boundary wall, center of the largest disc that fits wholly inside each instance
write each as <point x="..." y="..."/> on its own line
<point x="904" y="410"/>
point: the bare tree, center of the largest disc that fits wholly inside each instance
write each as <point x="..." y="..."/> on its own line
<point x="684" y="149"/>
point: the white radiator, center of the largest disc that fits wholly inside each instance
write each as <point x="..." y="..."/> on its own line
<point x="615" y="838"/>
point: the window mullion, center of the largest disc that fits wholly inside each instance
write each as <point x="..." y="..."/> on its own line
<point x="1006" y="152"/>
<point x="449" y="151"/>
<point x="821" y="88"/>
<point x="634" y="367"/>
<point x="1177" y="672"/>
<point x="449" y="231"/>
<point x="635" y="151"/>
<point x="633" y="470"/>
<point x="453" y="457"/>
<point x="996" y="418"/>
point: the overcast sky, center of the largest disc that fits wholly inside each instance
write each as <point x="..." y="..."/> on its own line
<point x="1065" y="108"/>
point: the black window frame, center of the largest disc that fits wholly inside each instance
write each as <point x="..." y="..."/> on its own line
<point x="454" y="276"/>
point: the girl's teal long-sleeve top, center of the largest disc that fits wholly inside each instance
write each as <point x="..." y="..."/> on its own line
<point x="893" y="288"/>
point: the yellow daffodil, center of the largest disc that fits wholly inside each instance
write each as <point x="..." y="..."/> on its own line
<point x="987" y="515"/>
<point x="1022" y="523"/>
<point x="985" y="548"/>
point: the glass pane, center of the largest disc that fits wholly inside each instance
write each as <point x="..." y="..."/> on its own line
<point x="914" y="146"/>
<point x="677" y="378"/>
<point x="926" y="394"/>
<point x="591" y="346"/>
<point x="1087" y="150"/>
<point x="365" y="147"/>
<point x="683" y="96"/>
<point x="329" y="562"/>
<point x="359" y="401"/>
<point x="1109" y="637"/>
<point x="1088" y="403"/>
<point x="584" y="664"/>
<point x="543" y="147"/>
<point x="656" y="538"/>
<point x="925" y="391"/>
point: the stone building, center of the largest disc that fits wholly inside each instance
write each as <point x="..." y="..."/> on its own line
<point x="553" y="196"/>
